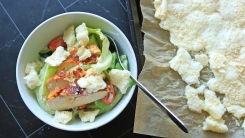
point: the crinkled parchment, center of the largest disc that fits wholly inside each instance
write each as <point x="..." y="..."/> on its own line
<point x="168" y="87"/>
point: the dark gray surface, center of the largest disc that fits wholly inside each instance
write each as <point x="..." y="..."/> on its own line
<point x="17" y="19"/>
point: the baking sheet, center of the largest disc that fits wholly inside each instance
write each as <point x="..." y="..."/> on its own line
<point x="168" y="87"/>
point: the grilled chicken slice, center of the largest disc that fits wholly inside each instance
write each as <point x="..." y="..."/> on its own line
<point x="59" y="81"/>
<point x="78" y="72"/>
<point x="72" y="97"/>
<point x="68" y="64"/>
<point x="73" y="59"/>
<point x="64" y="78"/>
<point x="94" y="49"/>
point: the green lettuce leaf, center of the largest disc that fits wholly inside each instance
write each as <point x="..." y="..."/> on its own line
<point x="105" y="107"/>
<point x="41" y="92"/>
<point x="105" y="59"/>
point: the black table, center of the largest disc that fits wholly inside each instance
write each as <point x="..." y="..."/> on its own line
<point x="17" y="19"/>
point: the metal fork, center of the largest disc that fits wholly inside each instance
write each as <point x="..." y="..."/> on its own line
<point x="175" y="119"/>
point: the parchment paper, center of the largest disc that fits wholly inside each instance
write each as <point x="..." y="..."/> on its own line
<point x="168" y="87"/>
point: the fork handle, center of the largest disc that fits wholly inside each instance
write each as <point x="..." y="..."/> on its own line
<point x="175" y="119"/>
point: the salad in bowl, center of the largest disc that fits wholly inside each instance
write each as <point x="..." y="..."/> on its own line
<point x="70" y="78"/>
<point x="78" y="75"/>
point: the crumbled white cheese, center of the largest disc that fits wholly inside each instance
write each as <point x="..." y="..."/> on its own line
<point x="57" y="57"/>
<point x="37" y="66"/>
<point x="216" y="125"/>
<point x="188" y="69"/>
<point x="215" y="28"/>
<point x="62" y="116"/>
<point x="231" y="73"/>
<point x="236" y="110"/>
<point x="232" y="11"/>
<point x="82" y="34"/>
<point x="92" y="83"/>
<point x="120" y="78"/>
<point x="203" y="59"/>
<point x="88" y="116"/>
<point x="213" y="105"/>
<point x="233" y="90"/>
<point x="201" y="88"/>
<point x="69" y="37"/>
<point x="213" y="84"/>
<point x="193" y="101"/>
<point x="83" y="53"/>
<point x="216" y="60"/>
<point x="31" y="79"/>
<point x="161" y="9"/>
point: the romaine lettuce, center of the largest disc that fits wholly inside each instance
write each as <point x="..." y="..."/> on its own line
<point x="105" y="59"/>
<point x="41" y="92"/>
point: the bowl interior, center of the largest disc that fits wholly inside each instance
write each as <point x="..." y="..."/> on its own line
<point x="42" y="35"/>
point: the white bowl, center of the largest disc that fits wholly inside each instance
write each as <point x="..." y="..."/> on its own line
<point x="41" y="36"/>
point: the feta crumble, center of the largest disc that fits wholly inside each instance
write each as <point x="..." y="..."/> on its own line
<point x="193" y="101"/>
<point x="201" y="88"/>
<point x="62" y="116"/>
<point x="37" y="65"/>
<point x="213" y="105"/>
<point x="215" y="28"/>
<point x="57" y="57"/>
<point x="161" y="9"/>
<point x="88" y="116"/>
<point x="120" y="78"/>
<point x="31" y="79"/>
<point x="213" y="84"/>
<point x="203" y="59"/>
<point x="92" y="83"/>
<point x="216" y="125"/>
<point x="216" y="60"/>
<point x="188" y="69"/>
<point x="236" y="110"/>
<point x="83" y="53"/>
<point x="32" y="69"/>
<point x="82" y="34"/>
<point x="69" y="37"/>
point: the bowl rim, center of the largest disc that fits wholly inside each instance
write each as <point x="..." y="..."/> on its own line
<point x="19" y="83"/>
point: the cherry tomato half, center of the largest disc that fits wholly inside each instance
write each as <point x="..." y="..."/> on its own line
<point x="56" y="42"/>
<point x="109" y="98"/>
